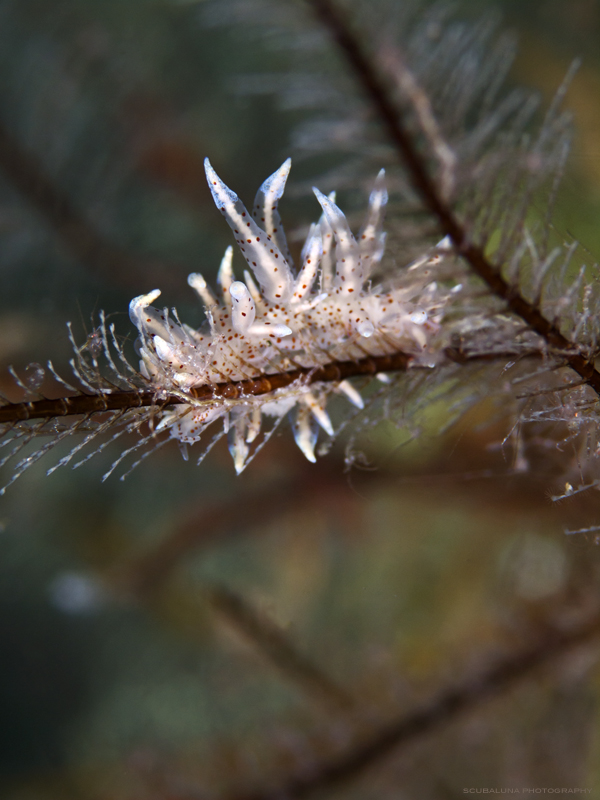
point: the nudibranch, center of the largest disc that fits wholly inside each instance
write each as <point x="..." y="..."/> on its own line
<point x="278" y="319"/>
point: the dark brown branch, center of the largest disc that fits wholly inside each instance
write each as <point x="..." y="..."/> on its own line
<point x="28" y="176"/>
<point x="441" y="710"/>
<point x="379" y="95"/>
<point x="272" y="643"/>
<point x="235" y="390"/>
<point x="253" y="387"/>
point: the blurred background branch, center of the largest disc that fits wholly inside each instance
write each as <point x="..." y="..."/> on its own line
<point x="85" y="244"/>
<point x="540" y="649"/>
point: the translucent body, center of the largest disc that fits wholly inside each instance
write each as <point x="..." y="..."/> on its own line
<point x="277" y="320"/>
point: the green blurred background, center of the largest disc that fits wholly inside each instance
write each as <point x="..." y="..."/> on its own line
<point x="123" y="671"/>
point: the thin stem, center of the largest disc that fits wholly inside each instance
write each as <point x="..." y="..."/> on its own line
<point x="392" y="119"/>
<point x="333" y="372"/>
<point x="111" y="401"/>
<point x="272" y="643"/>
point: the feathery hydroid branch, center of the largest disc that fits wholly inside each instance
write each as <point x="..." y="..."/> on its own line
<point x="234" y="390"/>
<point x="378" y="94"/>
<point x="281" y="341"/>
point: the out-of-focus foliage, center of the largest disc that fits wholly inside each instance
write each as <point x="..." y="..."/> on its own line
<point x="122" y="673"/>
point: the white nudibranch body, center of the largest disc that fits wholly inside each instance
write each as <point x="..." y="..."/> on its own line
<point x="279" y="319"/>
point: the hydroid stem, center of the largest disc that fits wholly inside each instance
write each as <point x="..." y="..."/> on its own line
<point x="391" y="116"/>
